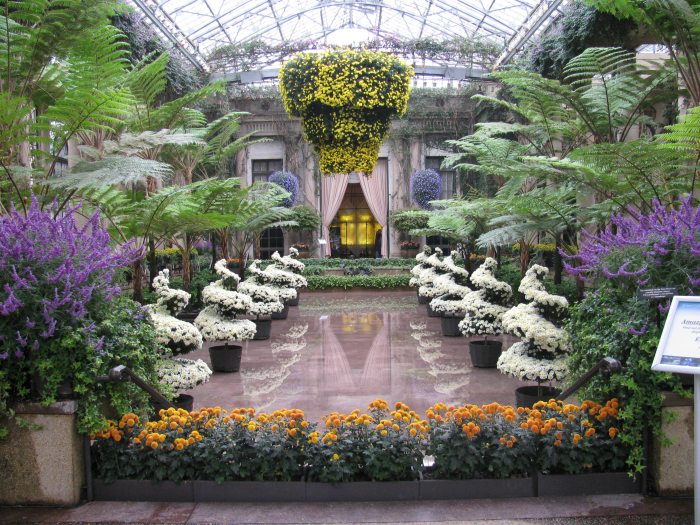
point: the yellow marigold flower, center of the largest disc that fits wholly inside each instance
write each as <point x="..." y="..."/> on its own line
<point x="335" y="457"/>
<point x="384" y="433"/>
<point x="251" y="426"/>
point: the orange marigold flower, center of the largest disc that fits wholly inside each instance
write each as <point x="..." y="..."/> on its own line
<point x="612" y="432"/>
<point x="576" y="438"/>
<point x="154" y="445"/>
<point x="590" y="432"/>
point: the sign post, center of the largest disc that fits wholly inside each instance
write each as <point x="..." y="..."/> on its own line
<point x="679" y="351"/>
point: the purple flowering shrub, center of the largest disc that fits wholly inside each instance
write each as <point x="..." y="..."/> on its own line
<point x="288" y="182"/>
<point x="661" y="248"/>
<point x="426" y="186"/>
<point x="57" y="280"/>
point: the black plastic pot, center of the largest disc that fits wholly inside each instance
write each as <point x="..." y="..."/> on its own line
<point x="485" y="353"/>
<point x="188" y="316"/>
<point x="526" y="396"/>
<point x="423" y="300"/>
<point x="226" y="358"/>
<point x="281" y="315"/>
<point x="450" y="326"/>
<point x="262" y="329"/>
<point x="293" y="302"/>
<point x="431" y="312"/>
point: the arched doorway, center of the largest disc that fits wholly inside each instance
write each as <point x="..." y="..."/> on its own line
<point x="354" y="228"/>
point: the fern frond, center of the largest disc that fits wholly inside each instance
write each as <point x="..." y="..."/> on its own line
<point x="111" y="171"/>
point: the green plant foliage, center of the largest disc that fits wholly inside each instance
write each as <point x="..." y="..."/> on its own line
<point x="406" y="220"/>
<point x="306" y="218"/>
<point x="320" y="282"/>
<point x="604" y="325"/>
<point x="579" y="27"/>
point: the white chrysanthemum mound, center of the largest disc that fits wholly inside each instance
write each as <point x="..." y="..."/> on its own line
<point x="459" y="275"/>
<point x="288" y="263"/>
<point x="446" y="284"/>
<point x="284" y="278"/>
<point x="495" y="291"/>
<point x="485" y="307"/>
<point x="553" y="307"/>
<point x="169" y="300"/>
<point x="265" y="299"/>
<point x="178" y="336"/>
<point x="229" y="303"/>
<point x="517" y="362"/>
<point x="183" y="374"/>
<point x="451" y="305"/>
<point x="216" y="328"/>
<point x="525" y="321"/>
<point x="481" y="317"/>
<point x="541" y="354"/>
<point x="293" y="252"/>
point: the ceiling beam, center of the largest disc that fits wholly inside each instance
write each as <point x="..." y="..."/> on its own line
<point x="541" y="13"/>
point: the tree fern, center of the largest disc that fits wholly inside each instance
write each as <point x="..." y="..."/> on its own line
<point x="111" y="171"/>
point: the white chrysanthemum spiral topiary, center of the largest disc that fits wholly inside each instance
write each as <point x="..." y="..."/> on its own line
<point x="214" y="327"/>
<point x="486" y="305"/>
<point x="541" y="354"/>
<point x="288" y="262"/>
<point x="178" y="336"/>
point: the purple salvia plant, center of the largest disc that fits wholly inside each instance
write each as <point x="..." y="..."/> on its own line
<point x="52" y="272"/>
<point x="661" y="248"/>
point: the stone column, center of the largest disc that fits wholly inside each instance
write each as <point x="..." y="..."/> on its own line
<point x="42" y="464"/>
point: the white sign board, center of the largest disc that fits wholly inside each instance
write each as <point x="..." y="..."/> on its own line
<point x="679" y="346"/>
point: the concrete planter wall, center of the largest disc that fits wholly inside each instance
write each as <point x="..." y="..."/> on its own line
<point x="255" y="491"/>
<point x="42" y="464"/>
<point x="672" y="467"/>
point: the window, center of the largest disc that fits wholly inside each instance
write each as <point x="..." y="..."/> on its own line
<point x="263" y="168"/>
<point x="271" y="241"/>
<point x="449" y="186"/>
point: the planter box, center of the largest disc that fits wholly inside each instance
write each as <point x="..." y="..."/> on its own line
<point x="249" y="491"/>
<point x="477" y="488"/>
<point x="42" y="464"/>
<point x="363" y="491"/>
<point x="671" y="467"/>
<point x="143" y="490"/>
<point x="587" y="484"/>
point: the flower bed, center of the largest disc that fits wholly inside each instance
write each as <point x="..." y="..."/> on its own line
<point x="493" y="445"/>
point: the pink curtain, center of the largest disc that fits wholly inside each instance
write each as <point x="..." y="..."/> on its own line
<point x="337" y="373"/>
<point x="332" y="193"/>
<point x="375" y="191"/>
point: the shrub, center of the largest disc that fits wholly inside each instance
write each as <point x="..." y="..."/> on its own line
<point x="407" y="220"/>
<point x="307" y="219"/>
<point x="57" y="277"/>
<point x="320" y="282"/>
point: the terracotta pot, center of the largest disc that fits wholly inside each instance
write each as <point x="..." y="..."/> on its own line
<point x="485" y="353"/>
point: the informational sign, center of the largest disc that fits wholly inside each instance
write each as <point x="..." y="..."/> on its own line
<point x="679" y="346"/>
<point x="656" y="294"/>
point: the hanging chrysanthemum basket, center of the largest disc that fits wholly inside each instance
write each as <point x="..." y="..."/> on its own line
<point x="346" y="100"/>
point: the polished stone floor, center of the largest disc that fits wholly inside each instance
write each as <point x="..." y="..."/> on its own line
<point x="339" y="351"/>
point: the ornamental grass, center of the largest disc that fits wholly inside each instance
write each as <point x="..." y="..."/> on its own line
<point x="382" y="443"/>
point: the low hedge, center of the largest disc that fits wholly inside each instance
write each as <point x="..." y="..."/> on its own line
<point x="382" y="444"/>
<point x="380" y="282"/>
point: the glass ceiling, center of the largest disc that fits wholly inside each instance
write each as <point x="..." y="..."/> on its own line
<point x="197" y="27"/>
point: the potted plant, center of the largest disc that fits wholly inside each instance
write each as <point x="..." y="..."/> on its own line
<point x="302" y="250"/>
<point x="479" y="444"/>
<point x="291" y="264"/>
<point x="426" y="186"/>
<point x="451" y="288"/>
<point x="422" y="264"/>
<point x="217" y="321"/>
<point x="541" y="354"/>
<point x="283" y="281"/>
<point x="409" y="249"/>
<point x="265" y="303"/>
<point x="484" y="308"/>
<point x="176" y="337"/>
<point x="426" y="279"/>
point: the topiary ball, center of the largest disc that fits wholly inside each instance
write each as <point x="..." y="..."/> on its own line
<point x="288" y="182"/>
<point x="426" y="186"/>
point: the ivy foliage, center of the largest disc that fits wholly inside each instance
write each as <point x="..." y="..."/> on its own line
<point x="606" y="324"/>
